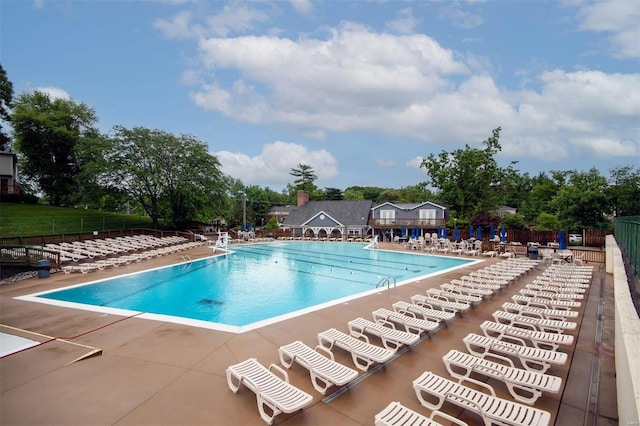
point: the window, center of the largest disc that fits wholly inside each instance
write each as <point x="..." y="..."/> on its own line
<point x="387" y="217"/>
<point x="427" y="216"/>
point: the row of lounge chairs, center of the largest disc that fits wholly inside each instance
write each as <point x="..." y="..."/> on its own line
<point x="92" y="255"/>
<point x="404" y="326"/>
<point x="523" y="340"/>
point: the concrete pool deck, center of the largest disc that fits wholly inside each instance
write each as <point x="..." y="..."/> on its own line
<point x="152" y="372"/>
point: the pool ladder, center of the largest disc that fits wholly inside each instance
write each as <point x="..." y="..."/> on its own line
<point x="386" y="281"/>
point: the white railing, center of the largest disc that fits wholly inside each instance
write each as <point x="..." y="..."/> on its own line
<point x="627" y="335"/>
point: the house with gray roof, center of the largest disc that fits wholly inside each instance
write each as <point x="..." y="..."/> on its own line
<point x="425" y="217"/>
<point x="339" y="219"/>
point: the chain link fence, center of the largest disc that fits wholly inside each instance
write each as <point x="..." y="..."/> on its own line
<point x="51" y="225"/>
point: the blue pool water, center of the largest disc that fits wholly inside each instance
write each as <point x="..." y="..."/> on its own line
<point x="256" y="282"/>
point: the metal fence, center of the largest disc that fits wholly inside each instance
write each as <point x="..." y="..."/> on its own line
<point x="51" y="225"/>
<point x="627" y="233"/>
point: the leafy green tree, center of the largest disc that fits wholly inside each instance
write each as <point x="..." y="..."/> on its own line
<point x="170" y="176"/>
<point x="547" y="222"/>
<point x="333" y="194"/>
<point x="6" y="100"/>
<point x="368" y="192"/>
<point x="305" y="177"/>
<point x="353" y="194"/>
<point x="582" y="202"/>
<point x="272" y="223"/>
<point x="512" y="221"/>
<point x="416" y="194"/>
<point x="536" y="201"/>
<point x="624" y="191"/>
<point x="48" y="133"/>
<point x="469" y="179"/>
<point x="389" y="195"/>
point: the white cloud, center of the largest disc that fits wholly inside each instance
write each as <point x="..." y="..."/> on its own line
<point x="273" y="164"/>
<point x="180" y="26"/>
<point x="234" y="17"/>
<point x="415" y="162"/>
<point x="619" y="18"/>
<point x="411" y="87"/>
<point x="303" y="7"/>
<point x="54" y="92"/>
<point x="354" y="80"/>
<point x="459" y="17"/>
<point x="385" y="162"/>
<point x="405" y="23"/>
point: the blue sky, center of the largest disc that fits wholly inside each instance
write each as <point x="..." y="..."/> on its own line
<point x="360" y="90"/>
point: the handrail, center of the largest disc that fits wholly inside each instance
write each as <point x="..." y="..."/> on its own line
<point x="387" y="281"/>
<point x="373" y="244"/>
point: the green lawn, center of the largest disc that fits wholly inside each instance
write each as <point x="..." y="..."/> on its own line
<point x="37" y="219"/>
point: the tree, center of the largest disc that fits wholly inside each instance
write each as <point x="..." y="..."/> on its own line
<point x="389" y="195"/>
<point x="368" y="192"/>
<point x="170" y="176"/>
<point x="582" y="202"/>
<point x="6" y="100"/>
<point x="353" y="194"/>
<point x="333" y="194"/>
<point x="304" y="178"/>
<point x="513" y="221"/>
<point x="48" y="134"/>
<point x="547" y="222"/>
<point x="469" y="179"/>
<point x="624" y="191"/>
<point x="415" y="194"/>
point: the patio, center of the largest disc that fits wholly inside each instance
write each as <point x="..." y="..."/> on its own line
<point x="152" y="372"/>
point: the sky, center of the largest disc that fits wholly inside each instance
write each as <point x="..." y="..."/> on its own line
<point x="362" y="91"/>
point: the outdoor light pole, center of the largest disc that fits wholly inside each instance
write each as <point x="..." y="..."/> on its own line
<point x="244" y="209"/>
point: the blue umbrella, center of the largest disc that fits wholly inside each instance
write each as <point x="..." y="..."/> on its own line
<point x="562" y="244"/>
<point x="503" y="235"/>
<point x="402" y="231"/>
<point x="492" y="232"/>
<point x="444" y="232"/>
<point x="242" y="226"/>
<point x="479" y="234"/>
<point x="471" y="231"/>
<point x="456" y="234"/>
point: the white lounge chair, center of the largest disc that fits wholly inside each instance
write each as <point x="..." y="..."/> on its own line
<point x="492" y="409"/>
<point x="82" y="267"/>
<point x="540" y="324"/>
<point x="539" y="339"/>
<point x="478" y="292"/>
<point x="556" y="289"/>
<point x="559" y="314"/>
<point x="441" y="304"/>
<point x="403" y="307"/>
<point x="411" y="324"/>
<point x="550" y="295"/>
<point x="391" y="338"/>
<point x="454" y="297"/>
<point x="363" y="353"/>
<point x="325" y="372"/>
<point x="524" y="386"/>
<point x="274" y="395"/>
<point x="396" y="414"/>
<point x="531" y="358"/>
<point x="545" y="303"/>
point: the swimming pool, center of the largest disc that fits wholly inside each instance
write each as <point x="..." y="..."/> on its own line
<point x="253" y="285"/>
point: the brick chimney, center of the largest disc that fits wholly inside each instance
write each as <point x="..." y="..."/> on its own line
<point x="303" y="197"/>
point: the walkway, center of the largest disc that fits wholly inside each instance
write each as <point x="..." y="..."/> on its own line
<point x="161" y="373"/>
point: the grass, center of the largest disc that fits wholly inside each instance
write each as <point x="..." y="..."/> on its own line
<point x="38" y="219"/>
